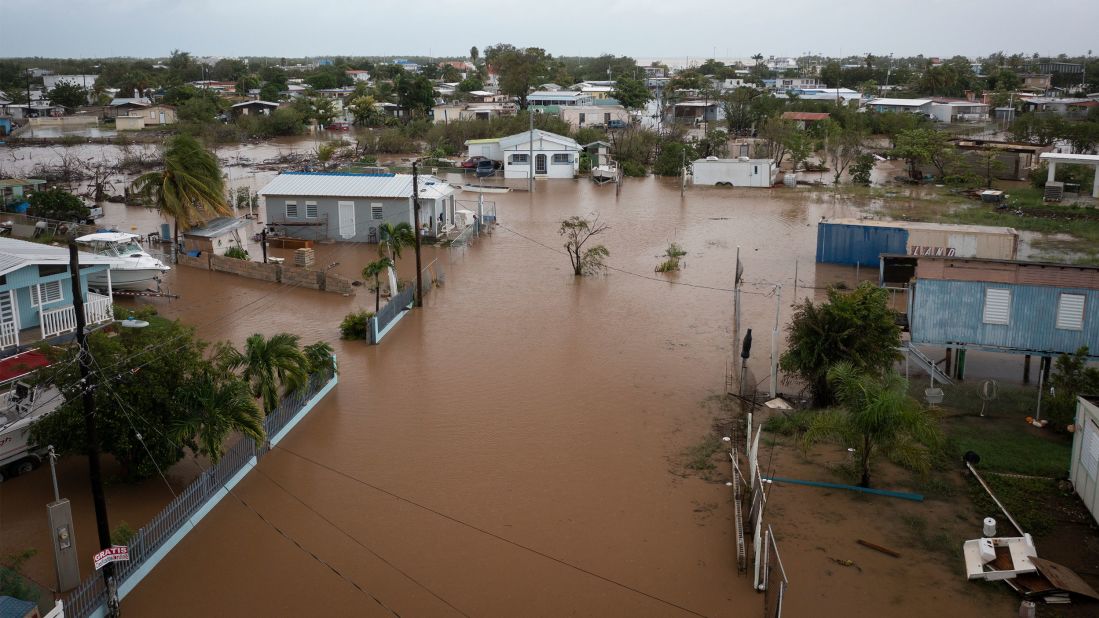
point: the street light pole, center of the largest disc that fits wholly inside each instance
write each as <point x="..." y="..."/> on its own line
<point x="416" y="230"/>
<point x="92" y="437"/>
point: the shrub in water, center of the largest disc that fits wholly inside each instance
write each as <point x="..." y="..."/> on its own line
<point x="355" y="324"/>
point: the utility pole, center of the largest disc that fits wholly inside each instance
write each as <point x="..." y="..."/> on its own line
<point x="530" y="153"/>
<point x="416" y="220"/>
<point x="92" y="437"/>
<point x="774" y="343"/>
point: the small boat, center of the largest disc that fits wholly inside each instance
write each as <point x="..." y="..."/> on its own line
<point x="134" y="269"/>
<point x="19" y="408"/>
<point x="607" y="172"/>
<point x="475" y="188"/>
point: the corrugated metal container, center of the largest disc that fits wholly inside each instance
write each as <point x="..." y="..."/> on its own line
<point x="957" y="312"/>
<point x="1085" y="466"/>
<point x="850" y="241"/>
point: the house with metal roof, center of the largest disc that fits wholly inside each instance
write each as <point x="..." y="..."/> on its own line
<point x="216" y="236"/>
<point x="1029" y="308"/>
<point x="555" y="156"/>
<point x="351" y="207"/>
<point x="36" y="292"/>
<point x="912" y="106"/>
<point x="540" y="98"/>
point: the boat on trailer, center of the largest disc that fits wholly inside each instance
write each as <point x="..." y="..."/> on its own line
<point x="476" y="188"/>
<point x="133" y="268"/>
<point x="607" y="172"/>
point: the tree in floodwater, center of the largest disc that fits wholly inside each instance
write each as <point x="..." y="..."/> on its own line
<point x="270" y="364"/>
<point x="852" y="326"/>
<point x="876" y="417"/>
<point x="190" y="188"/>
<point x="374" y="271"/>
<point x="577" y="231"/>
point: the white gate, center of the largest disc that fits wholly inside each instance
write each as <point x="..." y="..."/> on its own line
<point x="347" y="219"/>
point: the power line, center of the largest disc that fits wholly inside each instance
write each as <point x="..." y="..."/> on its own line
<point x="494" y="535"/>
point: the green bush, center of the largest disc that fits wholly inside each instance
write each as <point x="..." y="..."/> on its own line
<point x="237" y="253"/>
<point x="633" y="168"/>
<point x="355" y="325"/>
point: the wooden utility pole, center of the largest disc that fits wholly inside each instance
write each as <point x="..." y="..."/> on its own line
<point x="416" y="231"/>
<point x="90" y="434"/>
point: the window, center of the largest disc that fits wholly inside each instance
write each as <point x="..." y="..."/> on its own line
<point x="997" y="306"/>
<point x="152" y="114"/>
<point x="48" y="271"/>
<point x="582" y="117"/>
<point x="310" y="210"/>
<point x="520" y="158"/>
<point x="376" y="211"/>
<point x="1070" y="312"/>
<point x="45" y="293"/>
<point x="562" y="158"/>
<point x="291" y="210"/>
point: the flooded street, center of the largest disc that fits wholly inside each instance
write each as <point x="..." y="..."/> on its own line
<point x="514" y="448"/>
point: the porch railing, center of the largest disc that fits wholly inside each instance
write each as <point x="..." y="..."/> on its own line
<point x="57" y="321"/>
<point x="9" y="335"/>
<point x="98" y="308"/>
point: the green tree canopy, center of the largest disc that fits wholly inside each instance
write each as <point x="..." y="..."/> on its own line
<point x="519" y="69"/>
<point x="69" y="95"/>
<point x="57" y="204"/>
<point x="856" y="327"/>
<point x="631" y="92"/>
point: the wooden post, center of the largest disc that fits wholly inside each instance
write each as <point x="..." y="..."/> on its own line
<point x="948" y="359"/>
<point x="1026" y="369"/>
<point x="1047" y="363"/>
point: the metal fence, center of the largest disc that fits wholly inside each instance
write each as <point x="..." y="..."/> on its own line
<point x="90" y="595"/>
<point x="433" y="275"/>
<point x="774" y="577"/>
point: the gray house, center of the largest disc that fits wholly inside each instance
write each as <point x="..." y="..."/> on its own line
<point x="351" y="207"/>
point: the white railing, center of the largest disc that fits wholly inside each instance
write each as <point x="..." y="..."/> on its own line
<point x="9" y="335"/>
<point x="57" y="321"/>
<point x="98" y="308"/>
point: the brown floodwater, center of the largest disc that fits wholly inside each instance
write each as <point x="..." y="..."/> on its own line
<point x="533" y="423"/>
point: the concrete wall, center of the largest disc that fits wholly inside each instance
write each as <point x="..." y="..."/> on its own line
<point x="1084" y="472"/>
<point x="275" y="273"/>
<point x="64" y="121"/>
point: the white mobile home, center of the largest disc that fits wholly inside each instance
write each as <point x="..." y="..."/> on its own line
<point x="742" y="172"/>
<point x="1084" y="470"/>
<point x="555" y="156"/>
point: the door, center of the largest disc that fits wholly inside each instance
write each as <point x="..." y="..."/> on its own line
<point x="161" y="117"/>
<point x="540" y="164"/>
<point x="347" y="219"/>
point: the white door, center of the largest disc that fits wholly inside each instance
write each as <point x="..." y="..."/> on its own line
<point x="347" y="219"/>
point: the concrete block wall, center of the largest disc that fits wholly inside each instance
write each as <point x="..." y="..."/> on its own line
<point x="245" y="268"/>
<point x="338" y="284"/>
<point x="202" y="261"/>
<point x="302" y="277"/>
<point x="276" y="273"/>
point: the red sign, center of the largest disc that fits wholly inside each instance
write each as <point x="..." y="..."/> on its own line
<point x="118" y="553"/>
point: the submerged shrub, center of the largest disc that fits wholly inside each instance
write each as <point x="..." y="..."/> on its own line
<point x="355" y="325"/>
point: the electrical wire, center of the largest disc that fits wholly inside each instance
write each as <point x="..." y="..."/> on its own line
<point x="493" y="535"/>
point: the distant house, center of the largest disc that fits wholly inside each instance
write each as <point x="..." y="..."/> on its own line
<point x="1016" y="159"/>
<point x="730" y="84"/>
<point x="36" y="291"/>
<point x="449" y="112"/>
<point x="1037" y="81"/>
<point x="122" y="106"/>
<point x="407" y="65"/>
<point x="784" y="84"/>
<point x="14" y="192"/>
<point x="540" y="98"/>
<point x="1004" y="306"/>
<point x="49" y="82"/>
<point x="912" y="106"/>
<point x="1062" y="106"/>
<point x="804" y="120"/>
<point x="655" y="71"/>
<point x="216" y="236"/>
<point x="484" y="96"/>
<point x="358" y="75"/>
<point x="351" y="207"/>
<point x="555" y="156"/>
<point x="959" y="111"/>
<point x="596" y="90"/>
<point x="606" y="116"/>
<point x="697" y="111"/>
<point x="254" y="108"/>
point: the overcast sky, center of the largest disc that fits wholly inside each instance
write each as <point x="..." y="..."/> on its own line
<point x="639" y="28"/>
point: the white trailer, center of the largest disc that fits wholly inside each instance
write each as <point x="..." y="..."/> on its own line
<point x="740" y="172"/>
<point x="23" y="405"/>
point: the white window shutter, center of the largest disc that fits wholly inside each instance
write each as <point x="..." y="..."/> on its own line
<point x="1070" y="312"/>
<point x="997" y="306"/>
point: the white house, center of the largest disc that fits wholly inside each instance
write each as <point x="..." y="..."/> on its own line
<point x="959" y="111"/>
<point x="559" y="97"/>
<point x="555" y="156"/>
<point x="741" y="172"/>
<point x="607" y="116"/>
<point x="914" y="106"/>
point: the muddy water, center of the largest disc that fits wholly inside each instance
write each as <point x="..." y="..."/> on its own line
<point x="544" y="410"/>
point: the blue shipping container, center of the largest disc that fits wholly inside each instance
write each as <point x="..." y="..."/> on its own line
<point x="842" y="243"/>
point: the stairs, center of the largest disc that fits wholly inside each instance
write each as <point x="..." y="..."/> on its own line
<point x="923" y="362"/>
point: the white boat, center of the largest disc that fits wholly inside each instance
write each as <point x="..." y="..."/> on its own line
<point x="134" y="269"/>
<point x="19" y="408"/>
<point x="607" y="172"/>
<point x="473" y="188"/>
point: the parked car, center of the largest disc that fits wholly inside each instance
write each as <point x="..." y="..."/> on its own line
<point x="616" y="124"/>
<point x="339" y="126"/>
<point x="472" y="162"/>
<point x="485" y="167"/>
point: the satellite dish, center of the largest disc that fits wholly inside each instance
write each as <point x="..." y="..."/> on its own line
<point x="988" y="391"/>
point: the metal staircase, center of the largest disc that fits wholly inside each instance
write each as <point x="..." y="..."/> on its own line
<point x="923" y="362"/>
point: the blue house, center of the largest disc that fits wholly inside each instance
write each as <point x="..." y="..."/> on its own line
<point x="36" y="292"/>
<point x="1029" y="308"/>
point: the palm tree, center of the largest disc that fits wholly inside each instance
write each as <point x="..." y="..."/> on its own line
<point x="189" y="189"/>
<point x="268" y="364"/>
<point x="877" y="417"/>
<point x="319" y="356"/>
<point x="216" y="406"/>
<point x="374" y="270"/>
<point x="391" y="238"/>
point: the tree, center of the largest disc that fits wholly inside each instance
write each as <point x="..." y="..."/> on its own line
<point x="215" y="405"/>
<point x="392" y="238"/>
<point x="1073" y="377"/>
<point x="861" y="169"/>
<point x="374" y="271"/>
<point x="876" y="417"/>
<point x="631" y="93"/>
<point x="673" y="157"/>
<point x="519" y="69"/>
<point x="364" y="110"/>
<point x="318" y="355"/>
<point x="12" y="582"/>
<point x="415" y="94"/>
<point x="471" y="83"/>
<point x="268" y="365"/>
<point x="474" y="55"/>
<point x="986" y="163"/>
<point x="799" y="145"/>
<point x="855" y="327"/>
<point x="190" y="188"/>
<point x="714" y="144"/>
<point x="69" y="95"/>
<point x="200" y="109"/>
<point x="57" y="204"/>
<point x="315" y="107"/>
<point x="842" y="145"/>
<point x="269" y="92"/>
<point x="920" y="146"/>
<point x="577" y="231"/>
<point x="776" y="135"/>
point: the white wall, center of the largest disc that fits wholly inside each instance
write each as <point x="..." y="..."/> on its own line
<point x="553" y="170"/>
<point x="750" y="173"/>
<point x="1085" y="455"/>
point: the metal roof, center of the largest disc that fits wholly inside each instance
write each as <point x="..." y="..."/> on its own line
<point x="1083" y="159"/>
<point x="525" y="137"/>
<point x="921" y="225"/>
<point x="21" y="182"/>
<point x="256" y="102"/>
<point x="216" y="227"/>
<point x="108" y="237"/>
<point x="900" y="102"/>
<point x="15" y="254"/>
<point x="309" y="184"/>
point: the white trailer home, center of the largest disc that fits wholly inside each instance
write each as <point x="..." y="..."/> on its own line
<point x="740" y="172"/>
